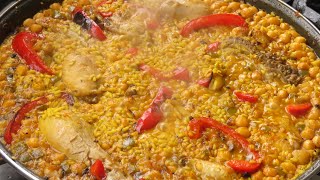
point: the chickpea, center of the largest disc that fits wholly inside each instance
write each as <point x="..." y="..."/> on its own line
<point x="308" y="145"/>
<point x="37" y="46"/>
<point x="256" y="75"/>
<point x="288" y="167"/>
<point x="36" y="28"/>
<point x="285" y="38"/>
<point x="284" y="26"/>
<point x="261" y="13"/>
<point x="78" y="168"/>
<point x="298" y="54"/>
<point x="274" y="21"/>
<point x="244" y="131"/>
<point x="2" y="76"/>
<point x="83" y="2"/>
<point x="28" y="22"/>
<point x="234" y="6"/>
<point x="283" y="94"/>
<point x="316" y="141"/>
<point x="307" y="133"/>
<point x="32" y="142"/>
<point x="273" y="34"/>
<point x="21" y="70"/>
<point x="301" y="156"/>
<point x="48" y="13"/>
<point x="241" y="121"/>
<point x="314" y="114"/>
<point x="260" y="91"/>
<point x="311" y="55"/>
<point x="8" y="103"/>
<point x="313" y="72"/>
<point x="224" y="155"/>
<point x="295" y="46"/>
<point x="269" y="171"/>
<point x="300" y="39"/>
<point x="303" y="66"/>
<point x="38" y="16"/>
<point x="47" y="48"/>
<point x="55" y="6"/>
<point x="248" y="12"/>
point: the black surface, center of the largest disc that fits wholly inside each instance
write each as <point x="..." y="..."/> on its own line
<point x="314" y="4"/>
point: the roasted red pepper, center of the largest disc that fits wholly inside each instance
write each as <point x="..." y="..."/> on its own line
<point x="213" y="20"/>
<point x="213" y="47"/>
<point x="205" y="82"/>
<point x="153" y="114"/>
<point x="163" y="94"/>
<point x="154" y="72"/>
<point x="22" y="44"/>
<point x="245" y="97"/>
<point x="15" y="124"/>
<point x="81" y="18"/>
<point x="97" y="170"/>
<point x="200" y="124"/>
<point x="298" y="110"/>
<point x="182" y="74"/>
<point x="105" y="14"/>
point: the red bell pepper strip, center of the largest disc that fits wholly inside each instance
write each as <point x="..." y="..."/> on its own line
<point x="298" y="110"/>
<point x="212" y="20"/>
<point x="133" y="51"/>
<point x="245" y="97"/>
<point x="81" y="18"/>
<point x="213" y="47"/>
<point x="22" y="44"/>
<point x="151" y="117"/>
<point x="106" y="14"/>
<point x="242" y="166"/>
<point x="15" y="124"/>
<point x="97" y="170"/>
<point x="181" y="73"/>
<point x="205" y="82"/>
<point x="163" y="94"/>
<point x="200" y="124"/>
<point x="154" y="72"/>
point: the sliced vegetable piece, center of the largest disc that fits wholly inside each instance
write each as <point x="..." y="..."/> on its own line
<point x="106" y="14"/>
<point x="97" y="170"/>
<point x="245" y="97"/>
<point x="213" y="47"/>
<point x="163" y="94"/>
<point x="205" y="82"/>
<point x="149" y="119"/>
<point x="298" y="110"/>
<point x="242" y="166"/>
<point x="182" y="74"/>
<point x="15" y="124"/>
<point x="200" y="124"/>
<point x="81" y="18"/>
<point x="22" y="44"/>
<point x="153" y="114"/>
<point x="212" y="20"/>
<point x="154" y="72"/>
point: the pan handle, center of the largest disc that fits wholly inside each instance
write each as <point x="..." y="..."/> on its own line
<point x="312" y="15"/>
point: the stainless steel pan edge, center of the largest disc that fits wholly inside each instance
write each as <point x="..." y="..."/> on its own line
<point x="9" y="22"/>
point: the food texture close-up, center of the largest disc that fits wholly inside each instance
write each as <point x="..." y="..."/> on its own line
<point x="159" y="89"/>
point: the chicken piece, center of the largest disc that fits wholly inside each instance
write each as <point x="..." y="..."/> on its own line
<point x="77" y="72"/>
<point x="210" y="170"/>
<point x="178" y="9"/>
<point x="71" y="135"/>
